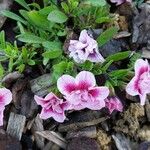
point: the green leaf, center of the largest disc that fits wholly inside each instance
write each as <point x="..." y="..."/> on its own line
<point x="23" y="3"/>
<point x="52" y="45"/>
<point x="118" y="56"/>
<point x="107" y="35"/>
<point x="119" y="74"/>
<point x="51" y="54"/>
<point x="65" y="7"/>
<point x="97" y="69"/>
<point x="30" y="38"/>
<point x="13" y="16"/>
<point x="58" y="70"/>
<point x="47" y="10"/>
<point x="2" y="40"/>
<point x="96" y="2"/>
<point x="1" y="71"/>
<point x="87" y="66"/>
<point x="21" y="68"/>
<point x="39" y="20"/>
<point x="35" y="5"/>
<point x="103" y="19"/>
<point x="57" y="16"/>
<point x="106" y="66"/>
<point x="45" y="61"/>
<point x="31" y="62"/>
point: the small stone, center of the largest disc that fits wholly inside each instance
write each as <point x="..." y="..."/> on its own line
<point x="83" y="143"/>
<point x="4" y="5"/>
<point x="81" y="119"/>
<point x="144" y="145"/>
<point x="87" y="132"/>
<point x="10" y="78"/>
<point x="40" y="85"/>
<point x="9" y="143"/>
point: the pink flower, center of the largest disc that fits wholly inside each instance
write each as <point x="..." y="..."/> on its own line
<point x="81" y="91"/>
<point x="52" y="106"/>
<point x="85" y="49"/>
<point x="113" y="103"/>
<point x="140" y="83"/>
<point x="119" y="2"/>
<point x="5" y="99"/>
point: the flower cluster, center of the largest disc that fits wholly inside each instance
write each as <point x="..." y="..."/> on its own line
<point x="79" y="93"/>
<point x="5" y="99"/>
<point x="82" y="92"/>
<point x="86" y="48"/>
<point x="119" y="2"/>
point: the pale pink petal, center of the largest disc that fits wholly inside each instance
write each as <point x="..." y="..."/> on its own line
<point x="50" y="96"/>
<point x="74" y="98"/>
<point x="58" y="108"/>
<point x="66" y="84"/>
<point x="99" y="92"/>
<point x="114" y="104"/>
<point x="141" y="66"/>
<point x="46" y="113"/>
<point x="83" y="55"/>
<point x="83" y="36"/>
<point x="77" y="107"/>
<point x="59" y="117"/>
<point x="85" y="80"/>
<point x="5" y="96"/>
<point x="119" y="105"/>
<point x="95" y="105"/>
<point x="132" y="87"/>
<point x="39" y="100"/>
<point x="142" y="99"/>
<point x="1" y="115"/>
<point x="65" y="105"/>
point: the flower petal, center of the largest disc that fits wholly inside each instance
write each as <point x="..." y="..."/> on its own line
<point x="99" y="92"/>
<point x="39" y="100"/>
<point x="5" y="96"/>
<point x="95" y="105"/>
<point x="95" y="57"/>
<point x="142" y="98"/>
<point x="47" y="113"/>
<point x="77" y="107"/>
<point x="141" y="66"/>
<point x="66" y="84"/>
<point x="1" y="115"/>
<point x="59" y="117"/>
<point x="83" y="36"/>
<point x="132" y="87"/>
<point x="50" y="96"/>
<point x="85" y="80"/>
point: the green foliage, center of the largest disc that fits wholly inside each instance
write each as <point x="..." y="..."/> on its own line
<point x="23" y="3"/>
<point x="87" y="13"/>
<point x="63" y="67"/>
<point x="96" y="2"/>
<point x="13" y="16"/>
<point x="107" y="35"/>
<point x="17" y="58"/>
<point x="43" y="30"/>
<point x="119" y="56"/>
<point x="57" y="16"/>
